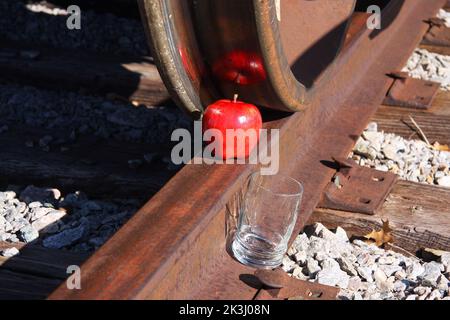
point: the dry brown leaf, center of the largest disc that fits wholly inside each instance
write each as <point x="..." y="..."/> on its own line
<point x="381" y="237"/>
<point x="440" y="147"/>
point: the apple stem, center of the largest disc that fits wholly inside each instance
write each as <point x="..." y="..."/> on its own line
<point x="235" y="98"/>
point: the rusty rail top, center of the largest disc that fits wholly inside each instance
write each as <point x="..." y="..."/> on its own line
<point x="175" y="246"/>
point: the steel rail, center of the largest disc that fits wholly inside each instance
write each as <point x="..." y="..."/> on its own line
<point x="175" y="246"/>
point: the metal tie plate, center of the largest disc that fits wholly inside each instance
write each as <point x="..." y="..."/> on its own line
<point x="357" y="189"/>
<point x="410" y="92"/>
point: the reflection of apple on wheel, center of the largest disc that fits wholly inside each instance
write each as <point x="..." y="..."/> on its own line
<point x="240" y="67"/>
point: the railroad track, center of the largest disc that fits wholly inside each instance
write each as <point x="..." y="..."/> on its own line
<point x="165" y="250"/>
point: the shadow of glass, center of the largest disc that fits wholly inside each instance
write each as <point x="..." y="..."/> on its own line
<point x="251" y="280"/>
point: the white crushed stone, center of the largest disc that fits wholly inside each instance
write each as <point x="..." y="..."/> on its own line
<point x="9" y="252"/>
<point x="59" y="221"/>
<point x="444" y="15"/>
<point x="39" y="8"/>
<point x="412" y="160"/>
<point x="430" y="66"/>
<point x="364" y="271"/>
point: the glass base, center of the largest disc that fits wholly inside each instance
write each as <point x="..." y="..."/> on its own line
<point x="254" y="251"/>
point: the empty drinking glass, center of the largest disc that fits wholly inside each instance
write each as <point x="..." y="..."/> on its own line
<point x="267" y="216"/>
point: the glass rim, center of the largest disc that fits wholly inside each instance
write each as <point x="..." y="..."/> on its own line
<point x="280" y="194"/>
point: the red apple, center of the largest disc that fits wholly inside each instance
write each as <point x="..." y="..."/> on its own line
<point x="233" y="114"/>
<point x="240" y="67"/>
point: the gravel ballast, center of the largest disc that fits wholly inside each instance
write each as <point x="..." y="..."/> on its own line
<point x="364" y="271"/>
<point x="430" y="66"/>
<point x="445" y="16"/>
<point x="49" y="218"/>
<point x="35" y="23"/>
<point x="412" y="160"/>
<point x="85" y="114"/>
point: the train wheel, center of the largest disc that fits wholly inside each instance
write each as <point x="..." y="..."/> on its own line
<point x="270" y="52"/>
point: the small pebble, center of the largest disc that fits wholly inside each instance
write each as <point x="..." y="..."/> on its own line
<point x="28" y="233"/>
<point x="444" y="181"/>
<point x="9" y="252"/>
<point x="312" y="267"/>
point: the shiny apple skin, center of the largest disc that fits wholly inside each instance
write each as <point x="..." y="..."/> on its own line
<point x="228" y="114"/>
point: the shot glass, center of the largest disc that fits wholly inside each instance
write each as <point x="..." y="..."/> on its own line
<point x="267" y="216"/>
